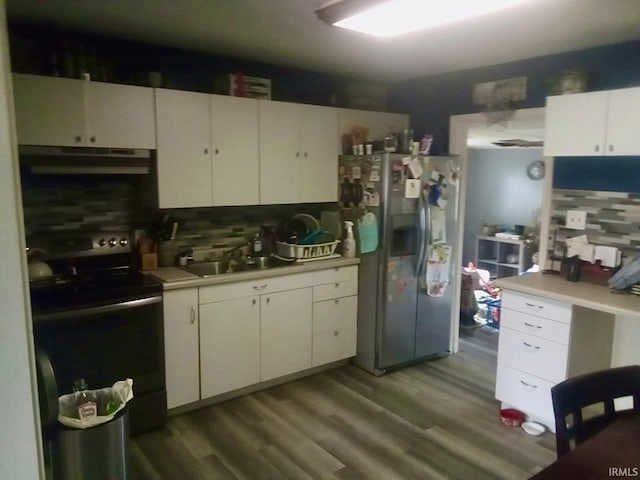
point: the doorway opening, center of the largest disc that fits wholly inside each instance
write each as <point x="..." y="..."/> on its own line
<point x="503" y="198"/>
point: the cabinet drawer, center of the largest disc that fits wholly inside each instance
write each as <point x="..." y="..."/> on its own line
<point x="526" y="392"/>
<point x="228" y="291"/>
<point x="534" y="355"/>
<point x="338" y="274"/>
<point x="333" y="346"/>
<point x="335" y="314"/>
<point x="335" y="290"/>
<point x="540" y="327"/>
<point x="538" y="306"/>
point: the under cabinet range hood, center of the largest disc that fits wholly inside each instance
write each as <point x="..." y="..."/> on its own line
<point x="85" y="160"/>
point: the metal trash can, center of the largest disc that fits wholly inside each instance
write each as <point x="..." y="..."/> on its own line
<point x="96" y="453"/>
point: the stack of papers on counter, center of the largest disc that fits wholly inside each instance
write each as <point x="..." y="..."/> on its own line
<point x="580" y="246"/>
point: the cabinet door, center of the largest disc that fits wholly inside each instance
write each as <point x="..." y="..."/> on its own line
<point x="334" y="330"/>
<point x="378" y="123"/>
<point x="285" y="332"/>
<point x="280" y="152"/>
<point x="624" y="118"/>
<point x="320" y="150"/>
<point x="184" y="149"/>
<point x="120" y="116"/>
<point x="236" y="158"/>
<point x="181" y="346"/>
<point x="575" y="124"/>
<point x="229" y="345"/>
<point x="49" y="110"/>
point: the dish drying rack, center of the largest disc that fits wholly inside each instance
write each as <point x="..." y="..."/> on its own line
<point x="307" y="253"/>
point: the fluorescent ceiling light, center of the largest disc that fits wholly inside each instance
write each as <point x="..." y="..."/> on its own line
<point x="394" y="17"/>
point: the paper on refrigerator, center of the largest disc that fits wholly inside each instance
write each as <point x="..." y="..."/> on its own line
<point x="437" y="276"/>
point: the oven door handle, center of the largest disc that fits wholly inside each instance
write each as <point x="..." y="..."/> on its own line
<point x="102" y="309"/>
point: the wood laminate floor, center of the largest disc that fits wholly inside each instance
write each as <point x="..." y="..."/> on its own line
<point x="434" y="420"/>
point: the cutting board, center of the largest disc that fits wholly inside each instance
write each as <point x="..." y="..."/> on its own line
<point x="171" y="274"/>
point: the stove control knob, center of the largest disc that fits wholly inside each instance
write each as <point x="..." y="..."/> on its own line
<point x="102" y="242"/>
<point x="123" y="242"/>
<point x="113" y="242"/>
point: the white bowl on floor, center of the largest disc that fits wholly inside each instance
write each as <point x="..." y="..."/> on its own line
<point x="533" y="428"/>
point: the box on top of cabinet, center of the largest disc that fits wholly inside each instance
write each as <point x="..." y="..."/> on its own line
<point x="240" y="85"/>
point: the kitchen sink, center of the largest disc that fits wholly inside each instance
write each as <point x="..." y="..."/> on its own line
<point x="228" y="265"/>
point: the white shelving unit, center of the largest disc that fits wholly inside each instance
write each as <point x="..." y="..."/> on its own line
<point x="493" y="254"/>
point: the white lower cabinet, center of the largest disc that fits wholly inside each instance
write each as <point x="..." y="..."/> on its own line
<point x="229" y="345"/>
<point x="181" y="346"/>
<point x="285" y="332"/>
<point x="334" y="329"/>
<point x="221" y="338"/>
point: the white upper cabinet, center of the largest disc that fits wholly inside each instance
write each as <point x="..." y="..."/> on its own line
<point x="120" y="116"/>
<point x="184" y="149"/>
<point x="280" y="152"/>
<point x="298" y="153"/>
<point x="49" y="110"/>
<point x="70" y="112"/>
<point x="593" y="124"/>
<point x="623" y="137"/>
<point x="207" y="150"/>
<point x="320" y="150"/>
<point x="378" y="123"/>
<point x="236" y="158"/>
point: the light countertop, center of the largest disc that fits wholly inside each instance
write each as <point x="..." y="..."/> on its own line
<point x="584" y="294"/>
<point x="173" y="277"/>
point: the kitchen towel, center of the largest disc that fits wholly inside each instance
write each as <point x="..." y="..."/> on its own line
<point x="368" y="232"/>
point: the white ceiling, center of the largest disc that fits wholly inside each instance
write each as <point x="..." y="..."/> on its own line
<point x="288" y="33"/>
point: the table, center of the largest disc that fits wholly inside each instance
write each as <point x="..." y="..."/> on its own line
<point x="613" y="452"/>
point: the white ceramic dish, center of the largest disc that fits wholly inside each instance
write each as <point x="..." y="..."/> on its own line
<point x="533" y="428"/>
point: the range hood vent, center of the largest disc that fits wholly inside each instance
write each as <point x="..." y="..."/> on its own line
<point x="85" y="160"/>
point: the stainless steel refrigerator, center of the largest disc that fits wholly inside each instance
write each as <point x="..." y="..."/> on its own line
<point x="405" y="211"/>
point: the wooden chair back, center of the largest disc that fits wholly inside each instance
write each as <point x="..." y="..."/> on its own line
<point x="571" y="396"/>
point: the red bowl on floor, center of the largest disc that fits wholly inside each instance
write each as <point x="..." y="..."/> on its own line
<point x="512" y="417"/>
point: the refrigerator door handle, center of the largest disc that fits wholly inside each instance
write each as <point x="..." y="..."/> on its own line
<point x="422" y="235"/>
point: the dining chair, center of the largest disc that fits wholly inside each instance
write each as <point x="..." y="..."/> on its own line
<point x="579" y="397"/>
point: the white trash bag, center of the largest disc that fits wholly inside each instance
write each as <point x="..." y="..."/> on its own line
<point x="88" y="408"/>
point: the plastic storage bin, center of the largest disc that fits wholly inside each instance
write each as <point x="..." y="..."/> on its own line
<point x="493" y="312"/>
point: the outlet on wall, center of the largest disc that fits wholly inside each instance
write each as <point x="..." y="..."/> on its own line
<point x="576" y="219"/>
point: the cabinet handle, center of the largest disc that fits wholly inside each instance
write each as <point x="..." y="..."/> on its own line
<point x="253" y="302"/>
<point x="528" y="385"/>
<point x="92" y="139"/>
<point x="337" y="285"/>
<point x="531" y="325"/>
<point x="297" y="154"/>
<point x="193" y="315"/>
<point x="216" y="151"/>
<point x="206" y="151"/>
<point x="268" y="300"/>
<point x="336" y="333"/>
<point x="259" y="288"/>
<point x="336" y="301"/>
<point x="611" y="148"/>
<point x="534" y="306"/>
<point x="78" y="138"/>
<point x="597" y="148"/>
<point x="305" y="154"/>
<point x="531" y="347"/>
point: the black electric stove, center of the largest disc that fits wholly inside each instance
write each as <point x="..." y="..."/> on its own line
<point x="98" y="318"/>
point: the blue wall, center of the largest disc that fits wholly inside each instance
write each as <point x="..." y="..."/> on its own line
<point x="608" y="174"/>
<point x="432" y="100"/>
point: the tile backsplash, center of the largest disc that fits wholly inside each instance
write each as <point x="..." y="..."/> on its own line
<point x="613" y="218"/>
<point x="65" y="203"/>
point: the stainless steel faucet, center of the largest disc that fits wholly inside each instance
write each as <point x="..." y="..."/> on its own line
<point x="236" y="248"/>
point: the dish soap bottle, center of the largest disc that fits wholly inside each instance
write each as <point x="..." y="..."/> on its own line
<point x="349" y="243"/>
